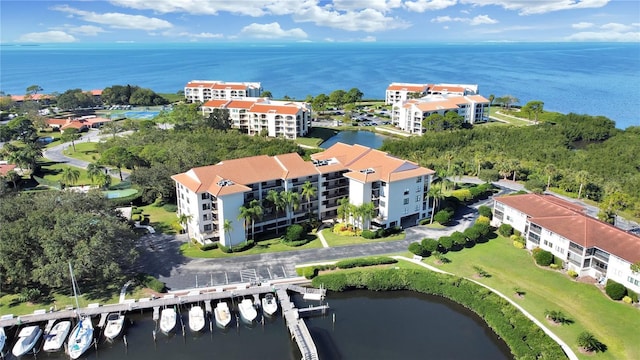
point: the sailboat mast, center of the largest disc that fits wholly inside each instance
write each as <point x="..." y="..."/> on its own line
<point x="73" y="283"/>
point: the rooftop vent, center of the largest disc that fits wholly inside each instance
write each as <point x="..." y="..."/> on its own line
<point x="225" y="182"/>
<point x="320" y="162"/>
<point x="367" y="171"/>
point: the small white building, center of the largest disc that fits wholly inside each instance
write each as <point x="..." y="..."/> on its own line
<point x="586" y="245"/>
<point x="212" y="195"/>
<point x="204" y="90"/>
<point x="287" y="119"/>
<point x="401" y="92"/>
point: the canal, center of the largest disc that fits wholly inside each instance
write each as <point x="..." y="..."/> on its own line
<point x="351" y="137"/>
<point x="368" y="325"/>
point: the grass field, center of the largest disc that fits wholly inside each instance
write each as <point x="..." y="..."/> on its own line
<point x="613" y="323"/>
<point x="264" y="246"/>
<point x="160" y="219"/>
<point x="85" y="151"/>
<point x="334" y="239"/>
<point x="316" y="136"/>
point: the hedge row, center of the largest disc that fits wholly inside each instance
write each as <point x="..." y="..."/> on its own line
<point x="237" y="248"/>
<point x="525" y="340"/>
<point x="366" y="261"/>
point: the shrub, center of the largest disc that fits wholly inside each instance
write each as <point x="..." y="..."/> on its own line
<point x="518" y="244"/>
<point x="572" y="273"/>
<point x="135" y="217"/>
<point x="430" y="245"/>
<point x="380" y="233"/>
<point x="344" y="230"/>
<point x="304" y="241"/>
<point x="136" y="210"/>
<point x="153" y="284"/>
<point x="489" y="175"/>
<point x="627" y="300"/>
<point x="483" y="220"/>
<point x="308" y="272"/>
<point x="485" y="211"/>
<point x="446" y="242"/>
<point x="482" y="228"/>
<point x="209" y="246"/>
<point x="459" y="238"/>
<point x="587" y="341"/>
<point x="417" y="249"/>
<point x="368" y="234"/>
<point x="145" y="220"/>
<point x="543" y="257"/>
<point x="505" y="230"/>
<point x="554" y="266"/>
<point x="443" y="217"/>
<point x="472" y="233"/>
<point x="633" y="295"/>
<point x="295" y="232"/>
<point x="615" y="290"/>
<point x="170" y="207"/>
<point x="462" y="195"/>
<point x="29" y="295"/>
<point x="367" y="261"/>
<point x="557" y="316"/>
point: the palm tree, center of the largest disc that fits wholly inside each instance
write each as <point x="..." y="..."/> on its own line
<point x="94" y="171"/>
<point x="70" y="135"/>
<point x="550" y="171"/>
<point x="308" y="192"/>
<point x="435" y="192"/>
<point x="343" y="208"/>
<point x="291" y="202"/>
<point x="582" y="177"/>
<point x="13" y="177"/>
<point x="227" y="226"/>
<point x="70" y="175"/>
<point x="275" y="199"/>
<point x="245" y="215"/>
<point x="256" y="212"/>
<point x="356" y="213"/>
<point x="104" y="180"/>
<point x="184" y="220"/>
<point x="367" y="211"/>
<point x="448" y="156"/>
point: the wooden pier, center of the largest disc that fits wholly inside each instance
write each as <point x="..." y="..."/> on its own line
<point x="296" y="325"/>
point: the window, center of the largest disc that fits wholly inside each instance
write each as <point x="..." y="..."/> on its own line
<point x="207" y="227"/>
<point x="382" y="203"/>
<point x="205" y="196"/>
<point x="417" y="208"/>
<point x="205" y="217"/>
<point x="509" y="218"/>
<point x="418" y="188"/>
<point x="406" y="201"/>
<point x="206" y="206"/>
<point x="418" y="198"/>
<point x="406" y="191"/>
<point x="419" y="179"/>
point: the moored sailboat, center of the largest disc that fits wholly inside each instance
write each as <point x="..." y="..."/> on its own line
<point x="81" y="337"/>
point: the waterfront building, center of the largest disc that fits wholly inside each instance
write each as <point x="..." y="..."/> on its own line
<point x="204" y="90"/>
<point x="408" y="115"/>
<point x="586" y="245"/>
<point x="211" y="195"/>
<point x="400" y="92"/>
<point x="82" y="123"/>
<point x="253" y="116"/>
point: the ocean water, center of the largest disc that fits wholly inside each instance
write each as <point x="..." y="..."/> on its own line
<point x="586" y="78"/>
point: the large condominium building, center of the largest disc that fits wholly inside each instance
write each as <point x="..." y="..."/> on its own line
<point x="408" y="115"/>
<point x="203" y="90"/>
<point x="586" y="245"/>
<point x="400" y="92"/>
<point x="286" y="119"/>
<point x="212" y="195"/>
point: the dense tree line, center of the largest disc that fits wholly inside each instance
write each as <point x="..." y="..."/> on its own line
<point x="582" y="154"/>
<point x="40" y="233"/>
<point x="131" y="95"/>
<point x="76" y="98"/>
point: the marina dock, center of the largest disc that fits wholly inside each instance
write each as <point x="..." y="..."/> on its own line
<point x="292" y="315"/>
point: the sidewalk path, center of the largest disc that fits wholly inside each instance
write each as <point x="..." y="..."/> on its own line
<point x="567" y="349"/>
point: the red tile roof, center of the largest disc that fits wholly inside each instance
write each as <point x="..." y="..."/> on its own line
<point x="5" y="168"/>
<point x="223" y="86"/>
<point x="407" y="87"/>
<point x="278" y="109"/>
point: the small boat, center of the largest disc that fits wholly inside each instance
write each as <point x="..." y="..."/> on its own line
<point x="3" y="340"/>
<point x="27" y="339"/>
<point x="196" y="318"/>
<point x="115" y="323"/>
<point x="222" y="314"/>
<point x="247" y="312"/>
<point x="269" y="304"/>
<point x="81" y="337"/>
<point x="54" y="340"/>
<point x="167" y="320"/>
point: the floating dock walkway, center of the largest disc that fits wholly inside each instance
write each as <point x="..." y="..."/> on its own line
<point x="296" y="325"/>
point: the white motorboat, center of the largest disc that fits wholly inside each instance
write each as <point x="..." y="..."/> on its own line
<point x="196" y="318"/>
<point x="247" y="312"/>
<point x="54" y="340"/>
<point x="114" y="326"/>
<point x="269" y="304"/>
<point x="81" y="337"/>
<point x="222" y="314"/>
<point x="3" y="340"/>
<point x="27" y="339"/>
<point x="167" y="320"/>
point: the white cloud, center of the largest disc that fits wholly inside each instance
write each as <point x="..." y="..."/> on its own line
<point x="202" y="35"/>
<point x="117" y="20"/>
<point x="605" y="36"/>
<point x="272" y="31"/>
<point x="368" y="39"/>
<point x="367" y="20"/>
<point x="54" y="36"/>
<point x="529" y="7"/>
<point x="616" y="27"/>
<point x="253" y="8"/>
<point x="582" y="25"/>
<point x="478" y="20"/>
<point x="429" y="5"/>
<point x="87" y="30"/>
<point x="380" y="5"/>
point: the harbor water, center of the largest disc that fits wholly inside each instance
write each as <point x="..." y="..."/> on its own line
<point x="368" y="325"/>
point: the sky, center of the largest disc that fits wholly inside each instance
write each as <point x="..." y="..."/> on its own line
<point x="87" y="21"/>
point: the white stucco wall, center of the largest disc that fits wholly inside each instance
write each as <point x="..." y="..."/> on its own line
<point x="228" y="209"/>
<point x="619" y="270"/>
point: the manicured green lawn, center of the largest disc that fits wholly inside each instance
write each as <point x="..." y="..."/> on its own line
<point x="53" y="172"/>
<point x="85" y="151"/>
<point x="160" y="219"/>
<point x="613" y="323"/>
<point x="334" y="239"/>
<point x="316" y="136"/>
<point x="264" y="246"/>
